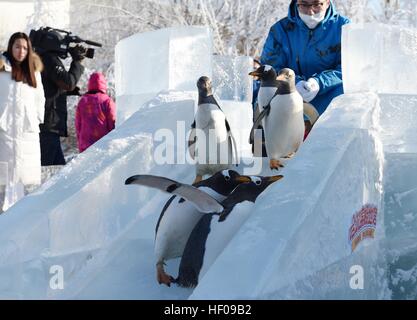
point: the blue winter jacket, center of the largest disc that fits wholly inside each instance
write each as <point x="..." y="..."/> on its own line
<point x="310" y="53"/>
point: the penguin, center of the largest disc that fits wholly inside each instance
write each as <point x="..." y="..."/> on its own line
<point x="179" y="216"/>
<point x="210" y="134"/>
<point x="269" y="84"/>
<point x="215" y="230"/>
<point x="282" y="118"/>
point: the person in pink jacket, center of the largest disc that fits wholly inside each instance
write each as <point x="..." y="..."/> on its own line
<point x="96" y="113"/>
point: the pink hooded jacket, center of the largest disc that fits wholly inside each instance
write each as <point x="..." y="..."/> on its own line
<point x="96" y="113"/>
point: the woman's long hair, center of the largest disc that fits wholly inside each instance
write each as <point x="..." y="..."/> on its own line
<point x="24" y="71"/>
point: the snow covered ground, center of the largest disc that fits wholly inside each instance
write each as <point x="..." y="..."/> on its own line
<point x="295" y="244"/>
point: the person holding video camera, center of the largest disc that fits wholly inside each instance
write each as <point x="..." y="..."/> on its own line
<point x="57" y="83"/>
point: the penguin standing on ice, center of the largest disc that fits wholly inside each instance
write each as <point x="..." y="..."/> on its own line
<point x="269" y="84"/>
<point x="268" y="88"/>
<point x="215" y="230"/>
<point x="179" y="216"/>
<point x="211" y="141"/>
<point x="282" y="118"/>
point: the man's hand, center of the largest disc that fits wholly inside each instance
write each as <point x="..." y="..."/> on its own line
<point x="77" y="53"/>
<point x="308" y="89"/>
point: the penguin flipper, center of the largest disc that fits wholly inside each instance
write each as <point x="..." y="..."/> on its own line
<point x="311" y="112"/>
<point x="201" y="200"/>
<point x="192" y="139"/>
<point x="258" y="122"/>
<point x="232" y="142"/>
<point x="156" y="182"/>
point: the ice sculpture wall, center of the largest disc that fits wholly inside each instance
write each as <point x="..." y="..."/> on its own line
<point x="230" y="77"/>
<point x="165" y="59"/>
<point x="380" y="58"/>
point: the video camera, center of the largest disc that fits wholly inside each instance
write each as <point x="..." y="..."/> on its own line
<point x="47" y="39"/>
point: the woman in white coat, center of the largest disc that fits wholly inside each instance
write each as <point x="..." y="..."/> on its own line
<point x="21" y="110"/>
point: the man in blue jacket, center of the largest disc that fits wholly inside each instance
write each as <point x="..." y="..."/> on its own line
<point x="308" y="41"/>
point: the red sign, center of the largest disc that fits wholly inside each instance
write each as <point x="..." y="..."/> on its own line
<point x="363" y="225"/>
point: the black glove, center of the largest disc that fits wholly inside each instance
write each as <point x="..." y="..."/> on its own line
<point x="77" y="53"/>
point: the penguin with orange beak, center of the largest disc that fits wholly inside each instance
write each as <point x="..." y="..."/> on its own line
<point x="183" y="210"/>
<point x="215" y="230"/>
<point x="282" y="117"/>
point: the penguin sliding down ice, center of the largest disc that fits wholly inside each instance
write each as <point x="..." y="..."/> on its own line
<point x="215" y="230"/>
<point x="210" y="142"/>
<point x="179" y="216"/>
<point x="282" y="117"/>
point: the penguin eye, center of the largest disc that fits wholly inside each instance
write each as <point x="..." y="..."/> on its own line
<point x="227" y="178"/>
<point x="258" y="182"/>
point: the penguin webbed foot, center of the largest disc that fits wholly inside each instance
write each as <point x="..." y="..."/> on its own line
<point x="161" y="276"/>
<point x="197" y="179"/>
<point x="223" y="216"/>
<point x="275" y="164"/>
<point x="166" y="280"/>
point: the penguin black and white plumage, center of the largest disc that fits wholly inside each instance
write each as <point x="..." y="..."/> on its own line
<point x="269" y="84"/>
<point x="211" y="142"/>
<point x="179" y="216"/>
<point x="215" y="230"/>
<point x="282" y="118"/>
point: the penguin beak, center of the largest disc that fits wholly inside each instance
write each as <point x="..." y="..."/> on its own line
<point x="243" y="179"/>
<point x="275" y="178"/>
<point x="255" y="73"/>
<point x="282" y="77"/>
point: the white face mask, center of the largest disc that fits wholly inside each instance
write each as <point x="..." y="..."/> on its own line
<point x="312" y="21"/>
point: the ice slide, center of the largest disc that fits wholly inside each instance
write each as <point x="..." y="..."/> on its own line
<point x="360" y="158"/>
